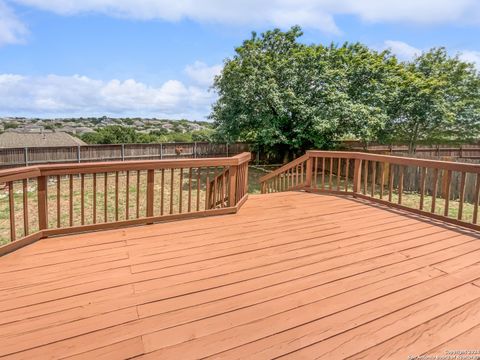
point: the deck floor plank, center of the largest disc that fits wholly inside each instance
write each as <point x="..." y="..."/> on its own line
<point x="292" y="274"/>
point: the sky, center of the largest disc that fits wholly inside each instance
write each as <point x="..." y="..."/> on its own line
<point x="158" y="58"/>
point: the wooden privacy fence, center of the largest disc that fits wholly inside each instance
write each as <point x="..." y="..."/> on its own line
<point x="466" y="151"/>
<point x="442" y="190"/>
<point x="46" y="200"/>
<point x="25" y="156"/>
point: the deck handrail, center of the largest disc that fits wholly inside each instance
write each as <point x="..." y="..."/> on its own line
<point x="98" y="195"/>
<point x="442" y="190"/>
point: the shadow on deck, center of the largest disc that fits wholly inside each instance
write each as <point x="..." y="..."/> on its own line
<point x="292" y="274"/>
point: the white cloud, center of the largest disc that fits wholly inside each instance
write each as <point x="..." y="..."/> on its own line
<point x="201" y="73"/>
<point x="12" y="30"/>
<point x="80" y="95"/>
<point x="471" y="57"/>
<point x="317" y="14"/>
<point x="403" y="50"/>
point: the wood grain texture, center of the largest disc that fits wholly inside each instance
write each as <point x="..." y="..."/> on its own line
<point x="292" y="274"/>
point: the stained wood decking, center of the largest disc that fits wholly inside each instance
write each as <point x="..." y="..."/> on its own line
<point x="292" y="275"/>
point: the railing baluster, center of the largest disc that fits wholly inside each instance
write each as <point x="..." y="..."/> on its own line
<point x="26" y="227"/>
<point x="138" y="194"/>
<point x="330" y="176"/>
<point x="434" y="190"/>
<point x="315" y="173"/>
<point x="382" y="179"/>
<point x="462" y="195"/>
<point x="172" y="173"/>
<point x="70" y="195"/>
<point x="400" y="184"/>
<point x="180" y="197"/>
<point x="42" y="202"/>
<point x="105" y="198"/>
<point x="127" y="195"/>
<point x="339" y="170"/>
<point x="302" y="180"/>
<point x="347" y="170"/>
<point x="59" y="192"/>
<point x="82" y="200"/>
<point x="423" y="173"/>
<point x="447" y="192"/>
<point x="162" y="192"/>
<point x="224" y="190"/>
<point x="150" y="193"/>
<point x="116" y="195"/>
<point x="207" y="188"/>
<point x="476" y="199"/>
<point x="296" y="175"/>
<point x="365" y="178"/>
<point x="323" y="173"/>
<point x="374" y="178"/>
<point x="189" y="189"/>
<point x="390" y="182"/>
<point x="199" y="171"/>
<point x="233" y="173"/>
<point x="11" y="207"/>
<point x="94" y="198"/>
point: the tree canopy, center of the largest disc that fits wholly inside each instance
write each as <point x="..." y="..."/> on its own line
<point x="286" y="96"/>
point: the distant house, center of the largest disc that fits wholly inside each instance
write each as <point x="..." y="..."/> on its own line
<point x="138" y="123"/>
<point x="83" y="130"/>
<point x="16" y="140"/>
<point x="30" y="128"/>
<point x="167" y="126"/>
<point x="67" y="129"/>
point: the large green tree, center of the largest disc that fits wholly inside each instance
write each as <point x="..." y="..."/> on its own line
<point x="436" y="99"/>
<point x="287" y="96"/>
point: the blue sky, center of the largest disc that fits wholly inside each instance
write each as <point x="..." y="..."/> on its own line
<point x="158" y="58"/>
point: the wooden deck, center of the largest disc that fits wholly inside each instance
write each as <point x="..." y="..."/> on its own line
<point x="292" y="275"/>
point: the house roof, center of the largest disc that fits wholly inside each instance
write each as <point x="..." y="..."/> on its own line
<point x="15" y="140"/>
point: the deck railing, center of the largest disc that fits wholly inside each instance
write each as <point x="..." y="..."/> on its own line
<point x="447" y="191"/>
<point x="46" y="200"/>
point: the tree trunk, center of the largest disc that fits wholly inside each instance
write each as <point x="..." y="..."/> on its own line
<point x="286" y="156"/>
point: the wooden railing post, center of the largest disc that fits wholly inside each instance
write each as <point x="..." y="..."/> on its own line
<point x="357" y="176"/>
<point x="42" y="202"/>
<point x="232" y="195"/>
<point x="308" y="177"/>
<point x="150" y="192"/>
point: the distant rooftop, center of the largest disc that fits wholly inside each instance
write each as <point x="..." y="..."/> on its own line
<point x="15" y="140"/>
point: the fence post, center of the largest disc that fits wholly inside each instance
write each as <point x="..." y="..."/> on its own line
<point x="78" y="154"/>
<point x="150" y="192"/>
<point x="26" y="155"/>
<point x="227" y="148"/>
<point x="232" y="201"/>
<point x="308" y="178"/>
<point x="161" y="151"/>
<point x="42" y="202"/>
<point x="195" y="149"/>
<point x="357" y="176"/>
<point x="123" y="152"/>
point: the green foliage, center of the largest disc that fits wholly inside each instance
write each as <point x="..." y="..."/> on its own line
<point x="437" y="99"/>
<point x="116" y="134"/>
<point x="286" y="96"/>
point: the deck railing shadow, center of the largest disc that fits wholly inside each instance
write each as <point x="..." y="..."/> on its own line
<point x="442" y="190"/>
<point x="49" y="200"/>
